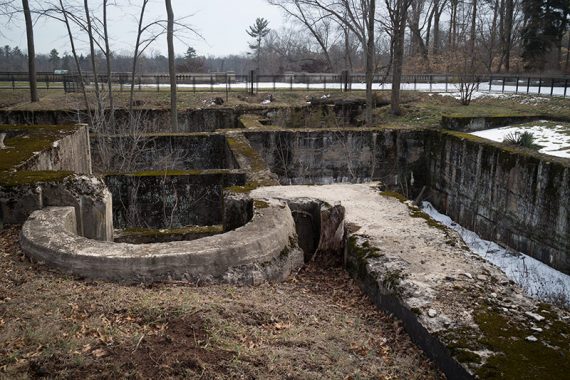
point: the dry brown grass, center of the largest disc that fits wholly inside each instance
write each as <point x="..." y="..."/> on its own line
<point x="318" y="325"/>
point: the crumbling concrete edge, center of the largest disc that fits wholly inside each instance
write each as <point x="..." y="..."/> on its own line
<point x="382" y="289"/>
<point x="265" y="249"/>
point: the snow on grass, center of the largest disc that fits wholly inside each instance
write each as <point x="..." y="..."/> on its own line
<point x="552" y="137"/>
<point x="536" y="278"/>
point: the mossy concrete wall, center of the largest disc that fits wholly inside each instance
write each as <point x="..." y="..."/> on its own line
<point x="198" y="151"/>
<point x="348" y="155"/>
<point x="515" y="197"/>
<point x="46" y="148"/>
<point x="170" y="199"/>
<point x="151" y="120"/>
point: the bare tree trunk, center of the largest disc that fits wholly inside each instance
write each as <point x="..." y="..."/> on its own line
<point x="347" y="49"/>
<point x="171" y="67"/>
<point x="398" y="60"/>
<point x="509" y="13"/>
<point x="567" y="64"/>
<point x="493" y="37"/>
<point x="473" y="33"/>
<point x="136" y="55"/>
<point x="92" y="51"/>
<point x="370" y="65"/>
<point x="108" y="59"/>
<point x="452" y="25"/>
<point x="76" y="59"/>
<point x="31" y="52"/>
<point x="436" y="30"/>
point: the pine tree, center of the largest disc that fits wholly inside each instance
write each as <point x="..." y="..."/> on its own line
<point x="545" y="22"/>
<point x="259" y="31"/>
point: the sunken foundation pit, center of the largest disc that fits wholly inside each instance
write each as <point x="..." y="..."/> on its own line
<point x="247" y="198"/>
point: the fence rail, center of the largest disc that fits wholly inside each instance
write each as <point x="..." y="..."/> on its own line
<point x="230" y="82"/>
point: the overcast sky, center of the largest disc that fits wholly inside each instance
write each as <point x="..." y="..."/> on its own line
<point x="222" y="23"/>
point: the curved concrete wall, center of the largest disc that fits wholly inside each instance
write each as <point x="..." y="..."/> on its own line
<point x="264" y="249"/>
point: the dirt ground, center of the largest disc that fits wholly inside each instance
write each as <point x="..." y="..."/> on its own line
<point x="317" y="325"/>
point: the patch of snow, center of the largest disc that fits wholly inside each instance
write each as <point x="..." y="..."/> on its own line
<point x="552" y="138"/>
<point x="536" y="278"/>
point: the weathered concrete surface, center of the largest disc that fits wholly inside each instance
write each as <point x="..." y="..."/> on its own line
<point x="264" y="249"/>
<point x="170" y="199"/>
<point x="46" y="148"/>
<point x="514" y="197"/>
<point x="321" y="156"/>
<point x="87" y="195"/>
<point x="182" y="151"/>
<point x="151" y="120"/>
<point x="479" y="123"/>
<point x="460" y="309"/>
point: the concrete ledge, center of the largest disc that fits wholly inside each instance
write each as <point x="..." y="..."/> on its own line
<point x="264" y="249"/>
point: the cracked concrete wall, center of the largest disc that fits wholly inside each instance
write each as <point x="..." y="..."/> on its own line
<point x="519" y="199"/>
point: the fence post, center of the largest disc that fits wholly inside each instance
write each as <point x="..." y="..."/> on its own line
<point x="227" y="91"/>
<point x="325" y="82"/>
<point x="490" y="82"/>
<point x="565" y="87"/>
<point x="157" y="83"/>
<point x="274" y="80"/>
<point x="430" y="82"/>
<point x="13" y="83"/>
<point x="517" y="87"/>
<point x="551" y="86"/>
<point x="194" y="83"/>
<point x="446" y="81"/>
<point x="539" y="85"/>
<point x="291" y="80"/>
<point x="528" y="86"/>
<point x="251" y="75"/>
<point x="308" y="81"/>
<point x="503" y="87"/>
<point x="47" y="82"/>
<point x="211" y="83"/>
<point x="415" y="82"/>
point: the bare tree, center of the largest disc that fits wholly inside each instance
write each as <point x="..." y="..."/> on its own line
<point x="397" y="11"/>
<point x="93" y="57"/>
<point x="358" y="17"/>
<point x="108" y="59"/>
<point x="313" y="19"/>
<point x="171" y="65"/>
<point x="31" y="52"/>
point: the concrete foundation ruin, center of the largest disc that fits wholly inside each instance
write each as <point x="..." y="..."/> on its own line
<point x="216" y="213"/>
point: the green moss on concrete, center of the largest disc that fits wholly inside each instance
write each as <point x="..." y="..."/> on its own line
<point x="242" y="149"/>
<point x="27" y="140"/>
<point x="258" y="204"/>
<point x="393" y="194"/>
<point x="517" y="358"/>
<point x="250" y="121"/>
<point x="190" y="230"/>
<point x="20" y="178"/>
<point x="363" y="251"/>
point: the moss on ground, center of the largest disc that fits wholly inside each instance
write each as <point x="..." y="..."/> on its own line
<point x="22" y="178"/>
<point x="518" y="358"/>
